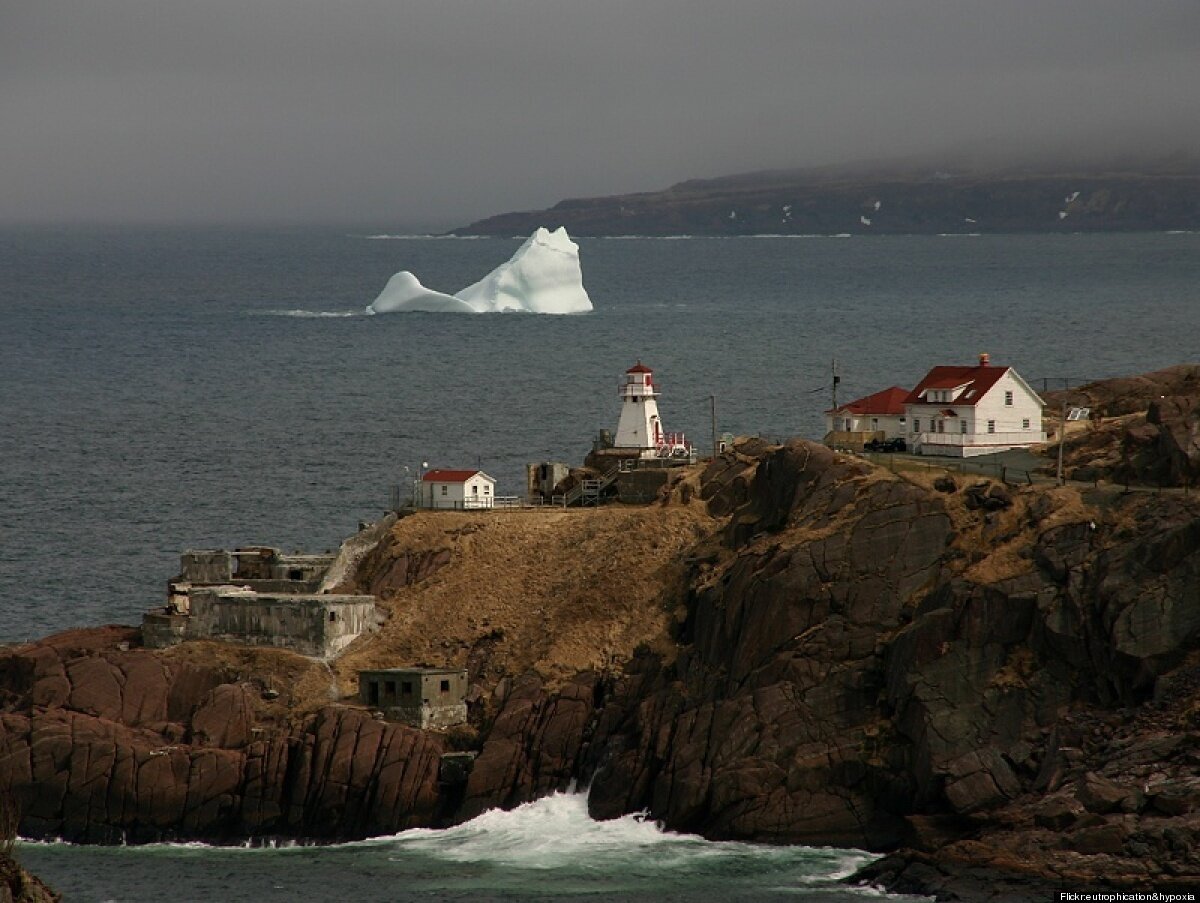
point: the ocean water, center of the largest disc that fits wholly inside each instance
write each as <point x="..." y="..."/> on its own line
<point x="546" y="850"/>
<point x="188" y="388"/>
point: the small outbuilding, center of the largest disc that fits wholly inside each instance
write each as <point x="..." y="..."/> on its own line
<point x="420" y="697"/>
<point x="457" y="489"/>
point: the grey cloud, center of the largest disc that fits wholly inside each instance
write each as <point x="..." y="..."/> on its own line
<point x="428" y="112"/>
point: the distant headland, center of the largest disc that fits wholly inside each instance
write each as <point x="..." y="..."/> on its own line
<point x="895" y="199"/>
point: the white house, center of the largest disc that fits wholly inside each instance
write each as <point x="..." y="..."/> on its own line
<point x="457" y="489"/>
<point x="965" y="411"/>
<point x="877" y="416"/>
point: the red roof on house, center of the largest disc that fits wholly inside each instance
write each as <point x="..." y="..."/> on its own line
<point x="888" y="402"/>
<point x="449" y="476"/>
<point x="639" y="367"/>
<point x="976" y="380"/>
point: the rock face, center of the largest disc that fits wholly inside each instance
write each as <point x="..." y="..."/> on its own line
<point x="18" y="886"/>
<point x="857" y="666"/>
<point x="1145" y="429"/>
<point x="102" y="745"/>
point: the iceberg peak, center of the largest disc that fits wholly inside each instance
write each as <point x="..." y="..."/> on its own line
<point x="543" y="276"/>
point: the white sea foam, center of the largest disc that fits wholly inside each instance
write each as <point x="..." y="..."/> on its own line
<point x="308" y="314"/>
<point x="556" y="831"/>
<point x="384" y="236"/>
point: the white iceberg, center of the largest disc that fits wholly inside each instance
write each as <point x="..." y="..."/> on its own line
<point x="405" y="292"/>
<point x="542" y="277"/>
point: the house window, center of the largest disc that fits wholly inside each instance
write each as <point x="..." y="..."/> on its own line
<point x="962" y="427"/>
<point x="372" y="693"/>
<point x="474" y="490"/>
<point x="406" y="688"/>
<point x="445" y="688"/>
<point x="390" y="689"/>
<point x="941" y="426"/>
<point x="487" y="490"/>
<point x="445" y="489"/>
<point x="874" y="423"/>
<point x="332" y="616"/>
<point x="991" y="426"/>
<point x="1025" y="424"/>
<point x="916" y="424"/>
<point x="1008" y="398"/>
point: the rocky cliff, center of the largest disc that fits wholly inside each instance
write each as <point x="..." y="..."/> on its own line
<point x="1143" y="430"/>
<point x="908" y="201"/>
<point x="804" y="648"/>
<point x="18" y="886"/>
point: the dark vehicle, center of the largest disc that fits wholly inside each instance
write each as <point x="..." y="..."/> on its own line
<point x="886" y="445"/>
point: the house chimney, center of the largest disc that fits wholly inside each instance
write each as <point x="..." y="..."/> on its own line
<point x="983" y="359"/>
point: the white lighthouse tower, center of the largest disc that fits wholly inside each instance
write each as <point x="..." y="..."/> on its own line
<point x="639" y="426"/>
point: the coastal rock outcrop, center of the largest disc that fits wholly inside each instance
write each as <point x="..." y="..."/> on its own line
<point x="1144" y="430"/>
<point x="19" y="886"/>
<point x="991" y="680"/>
<point x="867" y="661"/>
<point x="104" y="743"/>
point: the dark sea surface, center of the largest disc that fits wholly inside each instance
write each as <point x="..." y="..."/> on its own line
<point x="188" y="388"/>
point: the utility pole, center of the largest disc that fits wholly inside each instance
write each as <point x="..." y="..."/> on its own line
<point x="712" y="403"/>
<point x="1062" y="438"/>
<point x="836" y="379"/>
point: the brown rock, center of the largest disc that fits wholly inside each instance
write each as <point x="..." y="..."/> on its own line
<point x="1057" y="813"/>
<point x="1100" y="795"/>
<point x="1107" y="838"/>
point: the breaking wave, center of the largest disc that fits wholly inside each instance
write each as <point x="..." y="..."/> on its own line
<point x="549" y="849"/>
<point x="308" y="314"/>
<point x="556" y="833"/>
<point x="384" y="236"/>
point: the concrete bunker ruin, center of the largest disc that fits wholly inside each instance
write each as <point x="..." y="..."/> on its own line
<point x="258" y="596"/>
<point x="420" y="697"/>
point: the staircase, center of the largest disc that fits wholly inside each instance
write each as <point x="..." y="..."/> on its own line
<point x="589" y="492"/>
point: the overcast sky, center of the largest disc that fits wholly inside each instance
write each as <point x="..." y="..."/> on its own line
<point x="436" y="112"/>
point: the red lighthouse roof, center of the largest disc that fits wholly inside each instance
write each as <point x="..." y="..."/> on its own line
<point x="639" y="367"/>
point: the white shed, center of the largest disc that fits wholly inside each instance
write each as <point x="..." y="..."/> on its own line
<point x="461" y="489"/>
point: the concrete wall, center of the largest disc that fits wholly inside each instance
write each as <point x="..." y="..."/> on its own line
<point x="160" y="630"/>
<point x="540" y="479"/>
<point x="638" y="487"/>
<point x="316" y="625"/>
<point x="205" y="566"/>
<point x="428" y="716"/>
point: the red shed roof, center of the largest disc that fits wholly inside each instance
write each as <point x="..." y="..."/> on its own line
<point x="975" y="380"/>
<point x="888" y="402"/>
<point x="639" y="367"/>
<point x="449" y="476"/>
